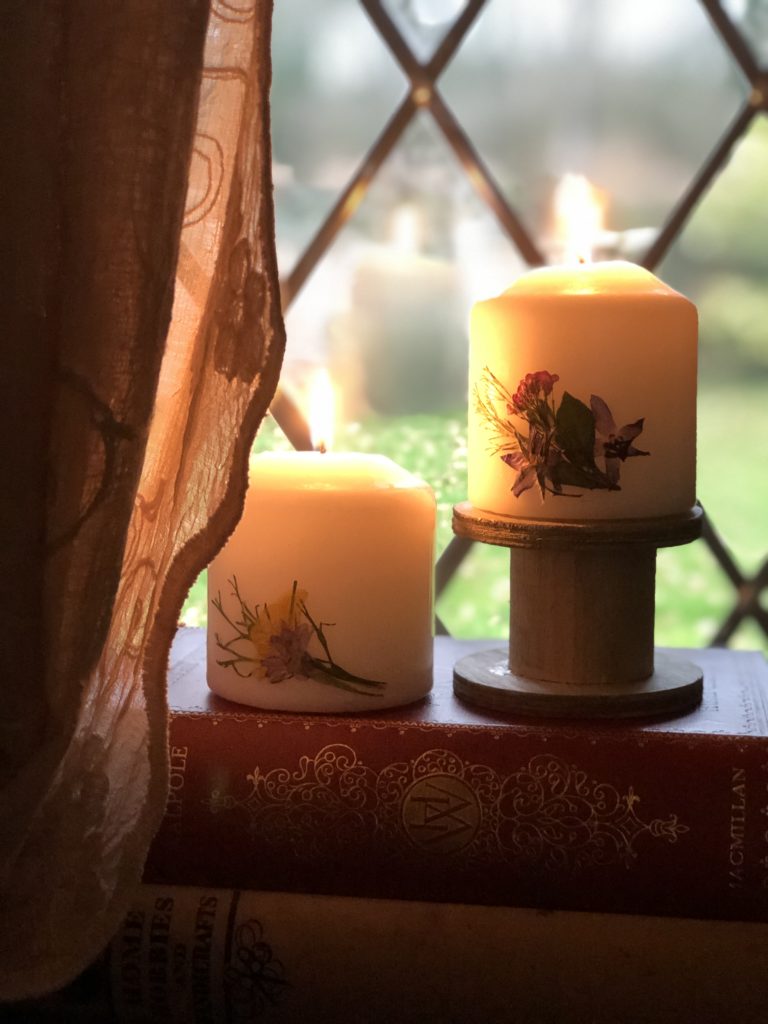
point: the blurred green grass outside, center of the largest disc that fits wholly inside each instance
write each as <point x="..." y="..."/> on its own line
<point x="692" y="594"/>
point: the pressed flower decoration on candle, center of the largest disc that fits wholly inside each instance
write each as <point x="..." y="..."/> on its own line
<point x="271" y="643"/>
<point x="550" y="443"/>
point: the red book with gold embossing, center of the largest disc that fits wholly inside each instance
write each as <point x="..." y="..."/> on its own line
<point x="444" y="802"/>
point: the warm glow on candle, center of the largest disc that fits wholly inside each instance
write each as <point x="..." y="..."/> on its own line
<point x="321" y="406"/>
<point x="578" y="217"/>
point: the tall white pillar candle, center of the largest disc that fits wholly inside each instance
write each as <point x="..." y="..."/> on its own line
<point x="322" y="599"/>
<point x="582" y="396"/>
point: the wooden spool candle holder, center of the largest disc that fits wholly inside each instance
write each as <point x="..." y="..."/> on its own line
<point x="582" y="604"/>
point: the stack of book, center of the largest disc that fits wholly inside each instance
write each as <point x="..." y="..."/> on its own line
<point x="397" y="865"/>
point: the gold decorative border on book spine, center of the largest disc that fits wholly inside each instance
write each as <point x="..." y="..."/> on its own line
<point x="547" y="812"/>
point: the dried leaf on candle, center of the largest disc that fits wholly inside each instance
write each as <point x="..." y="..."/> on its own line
<point x="575" y="431"/>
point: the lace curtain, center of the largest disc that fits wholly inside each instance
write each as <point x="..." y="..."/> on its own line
<point x="142" y="343"/>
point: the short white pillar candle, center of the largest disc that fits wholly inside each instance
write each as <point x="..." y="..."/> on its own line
<point x="322" y="599"/>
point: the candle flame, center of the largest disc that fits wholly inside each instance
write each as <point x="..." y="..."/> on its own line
<point x="578" y="217"/>
<point x="321" y="410"/>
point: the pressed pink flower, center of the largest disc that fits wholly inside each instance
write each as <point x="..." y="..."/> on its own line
<point x="544" y="380"/>
<point x="533" y="388"/>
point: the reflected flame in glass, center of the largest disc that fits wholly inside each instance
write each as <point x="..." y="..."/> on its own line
<point x="406" y="229"/>
<point x="578" y="217"/>
<point x="321" y="406"/>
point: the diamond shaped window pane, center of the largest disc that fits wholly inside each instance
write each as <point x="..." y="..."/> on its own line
<point x="721" y="262"/>
<point x="387" y="307"/>
<point x="334" y="85"/>
<point x="632" y="95"/>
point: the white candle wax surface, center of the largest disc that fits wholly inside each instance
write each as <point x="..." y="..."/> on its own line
<point x="609" y="330"/>
<point x="355" y="534"/>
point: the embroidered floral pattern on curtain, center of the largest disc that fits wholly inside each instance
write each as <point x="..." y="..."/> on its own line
<point x="144" y="341"/>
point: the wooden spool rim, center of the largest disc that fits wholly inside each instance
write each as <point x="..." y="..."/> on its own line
<point x="484" y="679"/>
<point x="510" y="532"/>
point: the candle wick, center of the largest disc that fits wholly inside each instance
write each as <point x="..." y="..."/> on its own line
<point x="582" y="259"/>
<point x="321" y="448"/>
